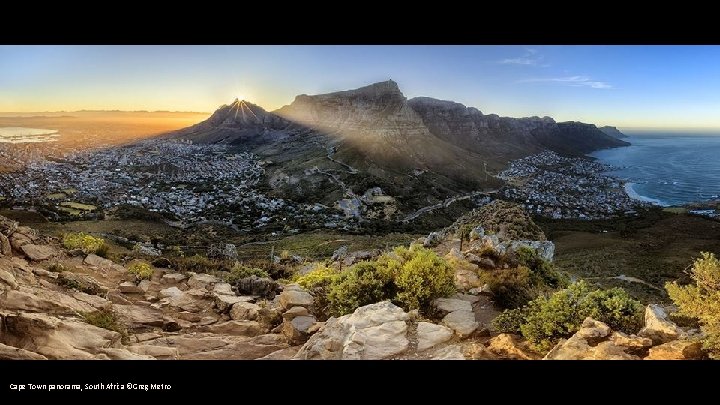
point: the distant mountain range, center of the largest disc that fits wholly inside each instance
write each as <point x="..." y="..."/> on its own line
<point x="420" y="150"/>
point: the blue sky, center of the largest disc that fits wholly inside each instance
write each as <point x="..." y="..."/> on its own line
<point x="626" y="86"/>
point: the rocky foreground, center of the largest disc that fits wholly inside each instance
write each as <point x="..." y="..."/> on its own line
<point x="60" y="304"/>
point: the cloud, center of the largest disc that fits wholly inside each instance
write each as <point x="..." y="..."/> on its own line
<point x="529" y="58"/>
<point x="574" y="81"/>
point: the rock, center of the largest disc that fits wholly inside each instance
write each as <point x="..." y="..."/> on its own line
<point x="432" y="240"/>
<point x="202" y="281"/>
<point x="116" y="297"/>
<point x="430" y="334"/>
<point x="294" y="298"/>
<point x="295" y="311"/>
<point x="145" y="285"/>
<point x="282" y="354"/>
<point x="19" y="239"/>
<point x="339" y="254"/>
<point x="13" y="353"/>
<point x="375" y="331"/>
<point x="677" y="350"/>
<point x="7" y="226"/>
<point x="260" y="287"/>
<point x="172" y="278"/>
<point x="38" y="252"/>
<point x="128" y="287"/>
<point x="158" y="352"/>
<point x="657" y="325"/>
<point x="447" y="305"/>
<point x="545" y="249"/>
<point x="223" y="289"/>
<point x="236" y="328"/>
<point x="245" y="311"/>
<point x="136" y="316"/>
<point x="296" y="330"/>
<point x="57" y="338"/>
<point x="142" y="337"/>
<point x="42" y="300"/>
<point x="452" y="352"/>
<point x="477" y="233"/>
<point x="122" y="354"/>
<point x="81" y="282"/>
<point x="466" y="279"/>
<point x="223" y="303"/>
<point x="462" y="322"/>
<point x="621" y="339"/>
<point x="7" y="278"/>
<point x="171" y="292"/>
<point x="94" y="300"/>
<point x="179" y="299"/>
<point x="5" y="247"/>
<point x="510" y="346"/>
<point x="161" y="263"/>
<point x="97" y="261"/>
<point x="467" y="297"/>
<point x="591" y="342"/>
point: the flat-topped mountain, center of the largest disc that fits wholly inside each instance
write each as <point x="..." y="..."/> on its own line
<point x="421" y="151"/>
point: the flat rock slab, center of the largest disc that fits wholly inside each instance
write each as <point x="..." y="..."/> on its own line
<point x="295" y="298"/>
<point x="430" y="334"/>
<point x="462" y="322"/>
<point x="38" y="252"/>
<point x="447" y="305"/>
<point x="97" y="261"/>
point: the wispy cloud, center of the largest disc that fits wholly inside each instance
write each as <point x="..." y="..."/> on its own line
<point x="574" y="81"/>
<point x="531" y="57"/>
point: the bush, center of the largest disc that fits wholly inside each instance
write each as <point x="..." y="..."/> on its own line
<point x="239" y="272"/>
<point x="545" y="320"/>
<point x="542" y="271"/>
<point x="410" y="277"/>
<point x="106" y="319"/>
<point x="87" y="243"/>
<point x="701" y="300"/>
<point x="195" y="263"/>
<point x="509" y="321"/>
<point x="360" y="285"/>
<point x="141" y="270"/>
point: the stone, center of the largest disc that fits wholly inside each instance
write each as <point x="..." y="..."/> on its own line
<point x="177" y="298"/>
<point x="116" y="297"/>
<point x="7" y="226"/>
<point x="171" y="292"/>
<point x="97" y="261"/>
<point x="13" y="353"/>
<point x="295" y="311"/>
<point x="202" y="281"/>
<point x="452" y="352"/>
<point x="677" y="350"/>
<point x="145" y="285"/>
<point x="245" y="311"/>
<point x="372" y="332"/>
<point x="630" y="341"/>
<point x="430" y="335"/>
<point x="293" y="298"/>
<point x="129" y="287"/>
<point x="43" y="300"/>
<point x="465" y="278"/>
<point x="591" y="342"/>
<point x="172" y="278"/>
<point x="38" y="252"/>
<point x="97" y="302"/>
<point x="545" y="249"/>
<point x="5" y="247"/>
<point x="224" y="303"/>
<point x="81" y="282"/>
<point x="158" y="352"/>
<point x="236" y="328"/>
<point x="510" y="346"/>
<point x="282" y="354"/>
<point x="657" y="325"/>
<point x="432" y="240"/>
<point x="296" y="330"/>
<point x="447" y="305"/>
<point x="57" y="338"/>
<point x="122" y="354"/>
<point x="223" y="288"/>
<point x="19" y="239"/>
<point x="7" y="278"/>
<point x="462" y="322"/>
<point x="136" y="316"/>
<point x="477" y="233"/>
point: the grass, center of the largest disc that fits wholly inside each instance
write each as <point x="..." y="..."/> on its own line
<point x="655" y="248"/>
<point x="107" y="319"/>
<point x="78" y="206"/>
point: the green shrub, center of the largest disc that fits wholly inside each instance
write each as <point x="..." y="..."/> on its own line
<point x="87" y="243"/>
<point x="541" y="270"/>
<point x="195" y="263"/>
<point x="360" y="285"/>
<point x="238" y="272"/>
<point x="546" y="320"/>
<point x="320" y="276"/>
<point x="420" y="277"/>
<point x="106" y="319"/>
<point x="511" y="288"/>
<point x="509" y="321"/>
<point x="141" y="270"/>
<point x="701" y="300"/>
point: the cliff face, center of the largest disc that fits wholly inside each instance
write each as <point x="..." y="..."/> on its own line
<point x="612" y="131"/>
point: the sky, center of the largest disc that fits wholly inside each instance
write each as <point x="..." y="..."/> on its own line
<point x="624" y="86"/>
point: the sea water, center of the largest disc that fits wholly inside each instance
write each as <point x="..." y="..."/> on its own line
<point x="668" y="168"/>
<point x="22" y="135"/>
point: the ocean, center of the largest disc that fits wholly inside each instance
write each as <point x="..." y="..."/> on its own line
<point x="24" y="135"/>
<point x="668" y="169"/>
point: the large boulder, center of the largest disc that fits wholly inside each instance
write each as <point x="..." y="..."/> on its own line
<point x="13" y="353"/>
<point x="462" y="322"/>
<point x="295" y="296"/>
<point x="429" y="335"/>
<point x="202" y="281"/>
<point x="97" y="261"/>
<point x="257" y="286"/>
<point x="375" y="331"/>
<point x="5" y="247"/>
<point x="677" y="350"/>
<point x="447" y="305"/>
<point x="658" y="326"/>
<point x="297" y="329"/>
<point x="38" y="252"/>
<point x="591" y="342"/>
<point x="244" y="311"/>
<point x="510" y="346"/>
<point x="545" y="248"/>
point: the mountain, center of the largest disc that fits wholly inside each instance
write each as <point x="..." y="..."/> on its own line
<point x="612" y="131"/>
<point x="420" y="151"/>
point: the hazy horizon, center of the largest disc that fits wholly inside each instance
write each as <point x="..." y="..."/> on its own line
<point x="622" y="86"/>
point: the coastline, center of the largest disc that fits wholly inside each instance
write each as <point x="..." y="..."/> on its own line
<point x="630" y="191"/>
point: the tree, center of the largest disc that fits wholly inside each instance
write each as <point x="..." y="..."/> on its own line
<point x="464" y="233"/>
<point x="701" y="300"/>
